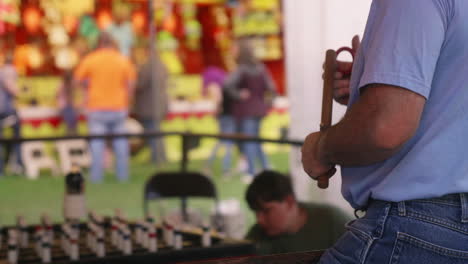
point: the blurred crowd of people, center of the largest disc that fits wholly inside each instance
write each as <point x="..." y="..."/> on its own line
<point x="243" y="97"/>
<point x="113" y="87"/>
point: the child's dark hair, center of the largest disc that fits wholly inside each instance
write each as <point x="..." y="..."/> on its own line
<point x="268" y="186"/>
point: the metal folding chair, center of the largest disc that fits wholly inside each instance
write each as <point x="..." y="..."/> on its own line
<point x="179" y="185"/>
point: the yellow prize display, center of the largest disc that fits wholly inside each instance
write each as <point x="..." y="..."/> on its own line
<point x="71" y="7"/>
<point x="265" y="4"/>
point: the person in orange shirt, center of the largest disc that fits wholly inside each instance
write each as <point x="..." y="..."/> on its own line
<point x="109" y="77"/>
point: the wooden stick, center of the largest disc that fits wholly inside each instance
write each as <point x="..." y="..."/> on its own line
<point x="327" y="103"/>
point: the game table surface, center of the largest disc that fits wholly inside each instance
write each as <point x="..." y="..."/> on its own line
<point x="310" y="257"/>
<point x="220" y="249"/>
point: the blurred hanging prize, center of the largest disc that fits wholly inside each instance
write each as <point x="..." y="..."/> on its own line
<point x="66" y="58"/>
<point x="32" y="19"/>
<point x="57" y="35"/>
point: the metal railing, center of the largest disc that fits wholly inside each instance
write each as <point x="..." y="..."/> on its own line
<point x="186" y="138"/>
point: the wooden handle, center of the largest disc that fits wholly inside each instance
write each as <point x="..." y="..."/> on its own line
<point x="322" y="182"/>
<point x="327" y="104"/>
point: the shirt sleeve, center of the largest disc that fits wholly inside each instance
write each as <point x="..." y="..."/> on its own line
<point x="402" y="43"/>
<point x="231" y="84"/>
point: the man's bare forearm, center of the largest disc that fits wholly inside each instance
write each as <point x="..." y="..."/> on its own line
<point x="374" y="128"/>
<point x="349" y="143"/>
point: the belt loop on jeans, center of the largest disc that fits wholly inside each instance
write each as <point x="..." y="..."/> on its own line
<point x="401" y="208"/>
<point x="464" y="207"/>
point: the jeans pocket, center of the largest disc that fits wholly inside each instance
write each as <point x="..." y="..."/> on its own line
<point x="412" y="250"/>
<point x="351" y="247"/>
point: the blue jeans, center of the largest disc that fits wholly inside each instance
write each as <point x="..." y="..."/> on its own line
<point x="70" y="118"/>
<point x="252" y="150"/>
<point x="227" y="125"/>
<point x="425" y="231"/>
<point x="7" y="148"/>
<point x="108" y="122"/>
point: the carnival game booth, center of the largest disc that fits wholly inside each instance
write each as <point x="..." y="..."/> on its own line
<point x="49" y="37"/>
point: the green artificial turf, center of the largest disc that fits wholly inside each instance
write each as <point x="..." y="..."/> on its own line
<point x="31" y="198"/>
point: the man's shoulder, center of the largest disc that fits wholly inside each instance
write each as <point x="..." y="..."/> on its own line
<point x="92" y="55"/>
<point x="121" y="59"/>
<point x="109" y="56"/>
<point x="90" y="58"/>
<point x="104" y="52"/>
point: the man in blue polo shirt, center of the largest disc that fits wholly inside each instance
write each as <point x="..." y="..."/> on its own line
<point x="403" y="142"/>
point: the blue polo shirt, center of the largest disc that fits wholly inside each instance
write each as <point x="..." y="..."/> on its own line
<point x="422" y="46"/>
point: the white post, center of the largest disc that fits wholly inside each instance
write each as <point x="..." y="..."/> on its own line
<point x="127" y="241"/>
<point x="206" y="236"/>
<point x="138" y="232"/>
<point x="47" y="226"/>
<point x="178" y="243"/>
<point x="168" y="233"/>
<point x="153" y="238"/>
<point x="12" y="246"/>
<point x="144" y="234"/>
<point x="312" y="27"/>
<point x="45" y="248"/>
<point x="38" y="241"/>
<point x="114" y="229"/>
<point x="74" y="249"/>
<point x="100" y="248"/>
<point x="24" y="236"/>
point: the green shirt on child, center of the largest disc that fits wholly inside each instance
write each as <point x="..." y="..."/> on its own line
<point x="325" y="224"/>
